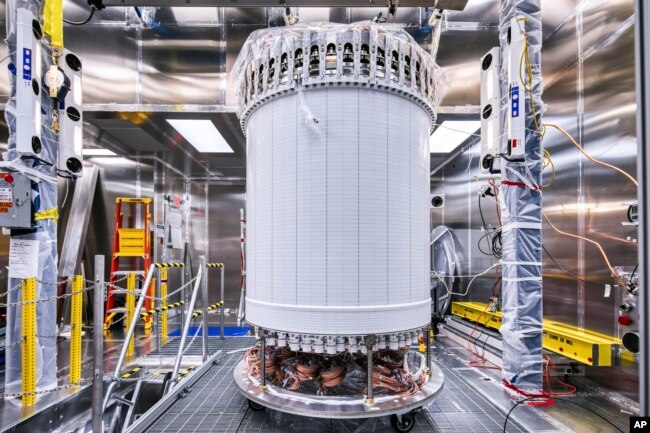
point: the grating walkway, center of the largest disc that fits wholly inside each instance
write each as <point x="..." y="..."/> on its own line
<point x="215" y="405"/>
<point x="193" y="346"/>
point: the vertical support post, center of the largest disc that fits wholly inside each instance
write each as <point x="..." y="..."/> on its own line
<point x="151" y="322"/>
<point x="130" y="307"/>
<point x="204" y="308"/>
<point x="76" y="319"/>
<point x="158" y="318"/>
<point x="521" y="203"/>
<point x="642" y="47"/>
<point x="186" y="326"/>
<point x="98" y="345"/>
<point x="262" y="335"/>
<point x="242" y="242"/>
<point x="427" y="342"/>
<point x="222" y="319"/>
<point x="29" y="341"/>
<point x="185" y="314"/>
<point x="370" y="343"/>
<point x="163" y="313"/>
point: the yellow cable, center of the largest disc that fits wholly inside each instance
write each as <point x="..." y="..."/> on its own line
<point x="547" y="155"/>
<point x="600" y="248"/>
<point x="549" y="162"/>
<point x="597" y="161"/>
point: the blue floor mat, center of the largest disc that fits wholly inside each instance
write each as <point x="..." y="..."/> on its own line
<point x="213" y="331"/>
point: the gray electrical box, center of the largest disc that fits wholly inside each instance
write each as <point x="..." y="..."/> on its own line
<point x="15" y="201"/>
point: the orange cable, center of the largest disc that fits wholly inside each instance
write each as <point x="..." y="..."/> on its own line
<point x="597" y="161"/>
<point x="600" y="248"/>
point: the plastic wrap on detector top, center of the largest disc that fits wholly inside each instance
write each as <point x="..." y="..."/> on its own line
<point x="272" y="43"/>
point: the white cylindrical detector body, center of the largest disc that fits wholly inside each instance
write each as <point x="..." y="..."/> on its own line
<point x="337" y="119"/>
<point x="337" y="213"/>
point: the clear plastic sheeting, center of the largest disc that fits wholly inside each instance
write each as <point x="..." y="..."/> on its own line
<point x="521" y="202"/>
<point x="281" y="59"/>
<point x="444" y="262"/>
<point x="44" y="197"/>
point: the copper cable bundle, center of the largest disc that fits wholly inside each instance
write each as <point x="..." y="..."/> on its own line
<point x="306" y="371"/>
<point x="290" y="370"/>
<point x="332" y="377"/>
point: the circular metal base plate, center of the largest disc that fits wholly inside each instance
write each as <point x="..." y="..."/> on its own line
<point x="334" y="406"/>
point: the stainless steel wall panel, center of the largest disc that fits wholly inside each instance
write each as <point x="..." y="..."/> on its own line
<point x="459" y="54"/>
<point x="224" y="204"/>
<point x="603" y="85"/>
<point x="183" y="64"/>
<point x="109" y="62"/>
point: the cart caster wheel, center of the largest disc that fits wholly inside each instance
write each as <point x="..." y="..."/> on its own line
<point x="256" y="407"/>
<point x="404" y="425"/>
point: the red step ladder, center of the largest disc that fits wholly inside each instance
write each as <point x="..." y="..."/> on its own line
<point x="133" y="243"/>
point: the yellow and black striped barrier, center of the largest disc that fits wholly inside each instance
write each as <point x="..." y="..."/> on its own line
<point x="214" y="265"/>
<point x="211" y="307"/>
<point x="155" y="311"/>
<point x="185" y="372"/>
<point x="131" y="372"/>
<point x="169" y="265"/>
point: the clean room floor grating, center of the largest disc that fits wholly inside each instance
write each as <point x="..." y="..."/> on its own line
<point x="214" y="344"/>
<point x="215" y="406"/>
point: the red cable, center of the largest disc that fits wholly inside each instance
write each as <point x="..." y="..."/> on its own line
<point x="547" y="399"/>
<point x="547" y="377"/>
<point x="519" y="184"/>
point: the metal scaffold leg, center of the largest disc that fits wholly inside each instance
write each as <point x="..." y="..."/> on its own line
<point x="29" y="341"/>
<point x="76" y="322"/>
<point x="130" y="307"/>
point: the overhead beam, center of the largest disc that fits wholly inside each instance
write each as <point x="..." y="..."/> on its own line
<point x="457" y="5"/>
<point x="217" y="108"/>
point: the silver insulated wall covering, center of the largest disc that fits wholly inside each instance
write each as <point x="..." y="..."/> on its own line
<point x="337" y="181"/>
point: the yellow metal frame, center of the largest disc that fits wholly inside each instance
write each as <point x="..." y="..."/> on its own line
<point x="76" y="323"/>
<point x="581" y="345"/>
<point x="130" y="309"/>
<point x="29" y="341"/>
<point x="148" y="323"/>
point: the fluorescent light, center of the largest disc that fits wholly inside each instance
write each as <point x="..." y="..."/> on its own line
<point x="98" y="151"/>
<point x="451" y="134"/>
<point x="202" y="134"/>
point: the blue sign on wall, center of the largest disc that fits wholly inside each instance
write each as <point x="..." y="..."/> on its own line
<point x="514" y="98"/>
<point x="27" y="64"/>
